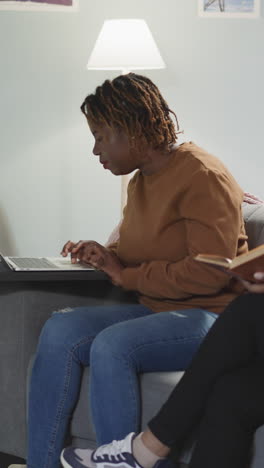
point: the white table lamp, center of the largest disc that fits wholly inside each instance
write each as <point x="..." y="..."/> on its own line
<point x="125" y="44"/>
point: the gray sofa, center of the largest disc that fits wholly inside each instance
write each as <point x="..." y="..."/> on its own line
<point x="20" y="328"/>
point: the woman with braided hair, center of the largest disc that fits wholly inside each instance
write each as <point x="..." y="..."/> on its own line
<point x="181" y="201"/>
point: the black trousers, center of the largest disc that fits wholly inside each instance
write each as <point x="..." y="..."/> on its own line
<point x="222" y="391"/>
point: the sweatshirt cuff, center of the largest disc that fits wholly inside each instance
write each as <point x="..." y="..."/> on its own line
<point x="129" y="278"/>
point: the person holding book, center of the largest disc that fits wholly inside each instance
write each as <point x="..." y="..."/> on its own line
<point x="181" y="201"/>
<point x="220" y="396"/>
<point x="242" y="267"/>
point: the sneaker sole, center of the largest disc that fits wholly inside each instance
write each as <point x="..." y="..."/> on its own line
<point x="64" y="462"/>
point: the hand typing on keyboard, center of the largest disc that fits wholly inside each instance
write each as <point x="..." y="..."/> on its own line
<point x="97" y="255"/>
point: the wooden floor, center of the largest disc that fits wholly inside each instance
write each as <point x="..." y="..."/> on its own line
<point x="6" y="460"/>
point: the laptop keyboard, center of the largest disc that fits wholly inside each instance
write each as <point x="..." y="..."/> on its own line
<point x="27" y="262"/>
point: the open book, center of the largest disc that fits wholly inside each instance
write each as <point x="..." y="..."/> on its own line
<point x="243" y="266"/>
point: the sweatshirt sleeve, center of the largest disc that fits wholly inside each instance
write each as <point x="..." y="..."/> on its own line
<point x="211" y="207"/>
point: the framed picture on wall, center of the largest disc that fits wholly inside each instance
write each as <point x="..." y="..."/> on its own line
<point x="229" y="8"/>
<point x="39" y="5"/>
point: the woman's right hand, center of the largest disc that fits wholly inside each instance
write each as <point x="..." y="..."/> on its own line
<point x="92" y="253"/>
<point x="89" y="252"/>
<point x="257" y="287"/>
<point x="67" y="248"/>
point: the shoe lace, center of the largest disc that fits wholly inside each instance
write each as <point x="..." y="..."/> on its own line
<point x="113" y="450"/>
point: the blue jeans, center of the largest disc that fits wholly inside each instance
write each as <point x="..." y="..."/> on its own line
<point x="118" y="342"/>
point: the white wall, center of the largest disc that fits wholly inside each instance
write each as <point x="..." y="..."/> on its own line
<point x="52" y="188"/>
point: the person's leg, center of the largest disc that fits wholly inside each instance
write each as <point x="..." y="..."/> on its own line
<point x="159" y="342"/>
<point x="63" y="350"/>
<point x="235" y="340"/>
<point x="224" y="438"/>
<point x="234" y="411"/>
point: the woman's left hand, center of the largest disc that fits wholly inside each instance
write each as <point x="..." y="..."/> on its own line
<point x="112" y="266"/>
<point x="101" y="258"/>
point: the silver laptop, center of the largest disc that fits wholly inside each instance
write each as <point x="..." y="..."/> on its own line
<point x="43" y="264"/>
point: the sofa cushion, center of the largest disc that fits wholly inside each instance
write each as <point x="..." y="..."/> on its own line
<point x="254" y="222"/>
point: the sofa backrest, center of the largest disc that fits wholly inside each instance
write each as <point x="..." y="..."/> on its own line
<point x="254" y="222"/>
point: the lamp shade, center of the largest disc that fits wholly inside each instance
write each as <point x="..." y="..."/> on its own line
<point x="125" y="44"/>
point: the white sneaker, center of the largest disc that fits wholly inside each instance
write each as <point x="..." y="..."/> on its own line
<point x="17" y="466"/>
<point x="117" y="454"/>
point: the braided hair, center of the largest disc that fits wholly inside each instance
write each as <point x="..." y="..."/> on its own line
<point x="134" y="104"/>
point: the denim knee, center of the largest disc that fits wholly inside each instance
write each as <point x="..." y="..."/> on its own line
<point x="109" y="344"/>
<point x="57" y="332"/>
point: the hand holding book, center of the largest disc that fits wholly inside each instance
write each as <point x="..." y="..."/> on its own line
<point x="243" y="267"/>
<point x="255" y="287"/>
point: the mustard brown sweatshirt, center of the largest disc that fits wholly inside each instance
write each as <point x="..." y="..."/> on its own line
<point x="191" y="206"/>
